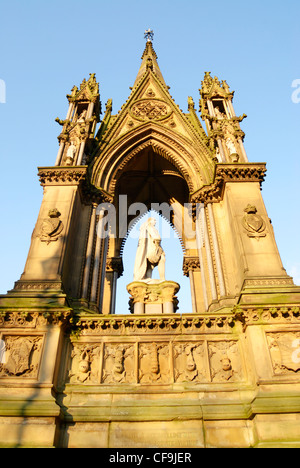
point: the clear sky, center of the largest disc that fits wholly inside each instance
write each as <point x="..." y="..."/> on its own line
<point x="47" y="47"/>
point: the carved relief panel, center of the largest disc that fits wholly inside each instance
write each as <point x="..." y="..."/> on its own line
<point x="285" y="352"/>
<point x="156" y="362"/>
<point x="190" y="362"/>
<point x="20" y="356"/>
<point x="118" y="363"/>
<point x="225" y="361"/>
<point x="85" y="364"/>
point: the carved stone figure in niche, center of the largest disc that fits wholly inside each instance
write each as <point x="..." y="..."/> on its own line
<point x="253" y="222"/>
<point x="188" y="358"/>
<point x="118" y="364"/>
<point x="154" y="363"/>
<point x="224" y="361"/>
<point x="218" y="155"/>
<point x="149" y="253"/>
<point x="82" y="365"/>
<point x="51" y="227"/>
<point x="19" y="356"/>
<point x="83" y="368"/>
<point x="218" y="113"/>
<point x="71" y="154"/>
<point x="232" y="150"/>
<point x="82" y="116"/>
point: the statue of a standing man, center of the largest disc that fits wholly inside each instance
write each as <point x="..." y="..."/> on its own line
<point x="149" y="253"/>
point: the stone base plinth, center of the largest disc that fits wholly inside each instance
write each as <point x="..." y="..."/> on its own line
<point x="153" y="297"/>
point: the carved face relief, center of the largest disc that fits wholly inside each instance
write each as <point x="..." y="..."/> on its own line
<point x="225" y="363"/>
<point x="154" y="364"/>
<point x="119" y="361"/>
<point x="189" y="362"/>
<point x="118" y="365"/>
<point x="85" y="364"/>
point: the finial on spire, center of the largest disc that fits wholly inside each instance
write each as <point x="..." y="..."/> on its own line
<point x="149" y="34"/>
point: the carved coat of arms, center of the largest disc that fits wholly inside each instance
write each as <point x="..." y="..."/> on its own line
<point x="51" y="227"/>
<point x="288" y="345"/>
<point x="253" y="222"/>
<point x="19" y="359"/>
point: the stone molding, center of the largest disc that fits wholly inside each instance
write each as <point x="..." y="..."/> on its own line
<point x="32" y="319"/>
<point x="38" y="285"/>
<point x="70" y="175"/>
<point x="246" y="172"/>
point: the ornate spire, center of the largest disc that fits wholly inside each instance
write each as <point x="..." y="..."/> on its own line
<point x="149" y="59"/>
<point x="149" y="34"/>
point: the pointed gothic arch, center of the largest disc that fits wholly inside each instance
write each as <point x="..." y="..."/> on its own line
<point x="179" y="151"/>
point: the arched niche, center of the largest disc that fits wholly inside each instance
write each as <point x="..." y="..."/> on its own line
<point x="174" y="251"/>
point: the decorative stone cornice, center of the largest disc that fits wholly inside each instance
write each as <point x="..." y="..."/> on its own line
<point x="267" y="315"/>
<point x="154" y="324"/>
<point x="38" y="285"/>
<point x="247" y="172"/>
<point x="25" y="319"/>
<point x="67" y="175"/>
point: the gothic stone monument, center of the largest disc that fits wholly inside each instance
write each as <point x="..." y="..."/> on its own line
<point x="73" y="373"/>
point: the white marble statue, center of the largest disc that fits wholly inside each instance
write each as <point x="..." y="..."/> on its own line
<point x="71" y="154"/>
<point x="149" y="253"/>
<point x="231" y="146"/>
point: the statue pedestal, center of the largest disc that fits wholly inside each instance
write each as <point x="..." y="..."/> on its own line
<point x="153" y="297"/>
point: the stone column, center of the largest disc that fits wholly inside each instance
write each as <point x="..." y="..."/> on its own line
<point x="97" y="256"/>
<point x="80" y="154"/>
<point x="191" y="264"/>
<point x="200" y="245"/>
<point x="216" y="249"/>
<point x="208" y="256"/>
<point x="89" y="252"/>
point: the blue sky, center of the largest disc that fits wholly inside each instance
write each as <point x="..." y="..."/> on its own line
<point x="47" y="47"/>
